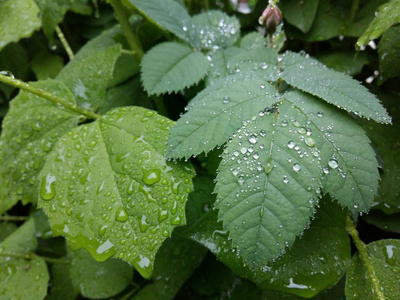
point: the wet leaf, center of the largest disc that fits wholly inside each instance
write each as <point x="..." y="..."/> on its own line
<point x="46" y="65"/>
<point x="216" y="113"/>
<point x="300" y="14"/>
<point x="385" y="16"/>
<point x="350" y="63"/>
<point x="108" y="188"/>
<point x="61" y="286"/>
<point x="384" y="258"/>
<point x="314" y="262"/>
<point x="6" y="229"/>
<point x="388" y="50"/>
<point x="390" y="223"/>
<point x="30" y="130"/>
<point x="18" y="19"/>
<point x="171" y="67"/>
<point x="252" y="40"/>
<point x="16" y="272"/>
<point x="97" y="280"/>
<point x="88" y="74"/>
<point x="341" y="90"/>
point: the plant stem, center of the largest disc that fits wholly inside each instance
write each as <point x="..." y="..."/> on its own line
<point x="13" y="218"/>
<point x="160" y="105"/>
<point x="123" y="20"/>
<point x="128" y="52"/>
<point x="363" y="253"/>
<point x="354" y="9"/>
<point x="29" y="256"/>
<point x="48" y="96"/>
<point x="64" y="42"/>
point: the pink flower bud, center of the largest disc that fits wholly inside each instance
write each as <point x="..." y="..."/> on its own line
<point x="270" y="17"/>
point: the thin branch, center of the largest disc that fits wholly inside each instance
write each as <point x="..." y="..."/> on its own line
<point x="64" y="42"/>
<point x="48" y="96"/>
<point x="13" y="218"/>
<point x="30" y="255"/>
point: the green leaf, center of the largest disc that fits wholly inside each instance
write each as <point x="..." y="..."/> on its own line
<point x="61" y="286"/>
<point x="384" y="260"/>
<point x="165" y="14"/>
<point x="300" y="14"/>
<point x="88" y="74"/>
<point x="215" y="30"/>
<point x="108" y="188"/>
<point x="252" y="40"/>
<point x="46" y="65"/>
<point x="389" y="57"/>
<point x="97" y="280"/>
<point x="390" y="223"/>
<point x="339" y="89"/>
<point x="314" y="262"/>
<point x="30" y="130"/>
<point x="266" y="190"/>
<point x="177" y="259"/>
<point x="350" y="168"/>
<point x="171" y="67"/>
<point x="6" y="229"/>
<point x="18" y="19"/>
<point x="350" y="63"/>
<point x="16" y="272"/>
<point x="216" y="113"/>
<point x="52" y="13"/>
<point x="386" y="15"/>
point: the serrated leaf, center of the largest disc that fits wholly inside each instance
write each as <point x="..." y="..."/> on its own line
<point x="344" y="152"/>
<point x="339" y="89"/>
<point x="98" y="280"/>
<point x="386" y="15"/>
<point x="300" y="14"/>
<point x="88" y="74"/>
<point x="30" y="130"/>
<point x="216" y="113"/>
<point x="165" y="14"/>
<point x="384" y="260"/>
<point x="266" y="189"/>
<point x="313" y="263"/>
<point x="18" y="19"/>
<point x="171" y="67"/>
<point x="108" y="188"/>
<point x="349" y="63"/>
<point x="17" y="272"/>
<point x="252" y="40"/>
<point x="215" y="30"/>
<point x="388" y="50"/>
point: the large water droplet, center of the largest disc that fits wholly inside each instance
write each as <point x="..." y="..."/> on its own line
<point x="268" y="166"/>
<point x="253" y="139"/>
<point x="291" y="144"/>
<point x="309" y="141"/>
<point x="285" y="179"/>
<point x="47" y="187"/>
<point x="121" y="215"/>
<point x="143" y="225"/>
<point x="151" y="176"/>
<point x="296" y="167"/>
<point x="333" y="164"/>
<point x="226" y="100"/>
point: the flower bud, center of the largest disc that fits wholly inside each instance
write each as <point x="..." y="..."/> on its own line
<point x="270" y="17"/>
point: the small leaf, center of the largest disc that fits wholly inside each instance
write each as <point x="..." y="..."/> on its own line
<point x="252" y="40"/>
<point x="215" y="30"/>
<point x="300" y="14"/>
<point x="266" y="188"/>
<point x="388" y="50"/>
<point x="61" y="286"/>
<point x="349" y="63"/>
<point x="16" y="272"/>
<point x="166" y="14"/>
<point x="386" y="15"/>
<point x="88" y="74"/>
<point x="389" y="223"/>
<point x="6" y="229"/>
<point x="171" y="67"/>
<point x="216" y="113"/>
<point x="46" y="65"/>
<point x="18" y="19"/>
<point x="98" y="280"/>
<point x="30" y="130"/>
<point x="384" y="260"/>
<point x="341" y="90"/>
<point x="108" y="188"/>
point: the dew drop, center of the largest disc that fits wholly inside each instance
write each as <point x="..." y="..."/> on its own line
<point x="333" y="164"/>
<point x="253" y="139"/>
<point x="47" y="187"/>
<point x="320" y="114"/>
<point x="268" y="166"/>
<point x="285" y="179"/>
<point x="226" y="100"/>
<point x="309" y="141"/>
<point x="296" y="167"/>
<point x="152" y="176"/>
<point x="143" y="225"/>
<point x="121" y="215"/>
<point x="291" y="144"/>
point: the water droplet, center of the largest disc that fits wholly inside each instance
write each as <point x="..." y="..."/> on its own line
<point x="285" y="179"/>
<point x="253" y="139"/>
<point x="240" y="180"/>
<point x="268" y="166"/>
<point x="47" y="187"/>
<point x="8" y="74"/>
<point x="121" y="215"/>
<point x="333" y="164"/>
<point x="143" y="225"/>
<point x="296" y="167"/>
<point x="291" y="144"/>
<point x="102" y="230"/>
<point x="226" y="100"/>
<point x="309" y="141"/>
<point x="152" y="176"/>
<point x="320" y="114"/>
<point x="162" y="215"/>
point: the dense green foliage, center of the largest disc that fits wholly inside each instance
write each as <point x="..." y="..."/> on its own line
<point x="166" y="149"/>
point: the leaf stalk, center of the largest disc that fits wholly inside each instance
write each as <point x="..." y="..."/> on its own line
<point x="362" y="250"/>
<point x="64" y="42"/>
<point x="29" y="256"/>
<point x="48" y="96"/>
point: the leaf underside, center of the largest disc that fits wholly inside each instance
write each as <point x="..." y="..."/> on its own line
<point x="107" y="187"/>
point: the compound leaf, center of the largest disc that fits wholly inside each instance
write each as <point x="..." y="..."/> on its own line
<point x="216" y="113"/>
<point x="17" y="272"/>
<point x="339" y="89"/>
<point x="31" y="128"/>
<point x="383" y="257"/>
<point x="107" y="187"/>
<point x="171" y="67"/>
<point x="88" y="74"/>
<point x="98" y="280"/>
<point x="266" y="189"/>
<point x="18" y="19"/>
<point x="386" y="15"/>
